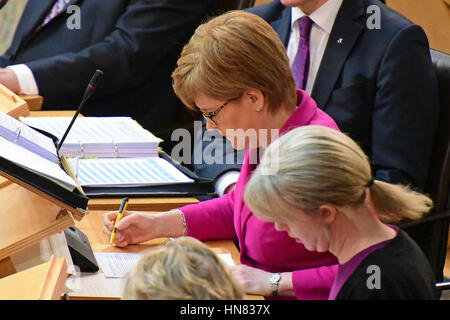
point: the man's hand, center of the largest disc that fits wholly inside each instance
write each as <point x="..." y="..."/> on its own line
<point x="9" y="79"/>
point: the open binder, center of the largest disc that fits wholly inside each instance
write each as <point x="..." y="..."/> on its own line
<point x="34" y="206"/>
<point x="122" y="144"/>
<point x="199" y="187"/>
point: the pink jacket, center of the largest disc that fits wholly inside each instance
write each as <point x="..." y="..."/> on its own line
<point x="261" y="245"/>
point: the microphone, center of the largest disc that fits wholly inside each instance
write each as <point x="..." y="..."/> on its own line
<point x="87" y="94"/>
<point x="2" y="3"/>
<point x="92" y="84"/>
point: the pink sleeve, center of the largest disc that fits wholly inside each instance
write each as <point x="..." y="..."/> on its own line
<point x="314" y="283"/>
<point x="212" y="219"/>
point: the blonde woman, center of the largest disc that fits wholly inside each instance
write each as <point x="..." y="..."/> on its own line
<point x="183" y="269"/>
<point x="236" y="72"/>
<point x="324" y="197"/>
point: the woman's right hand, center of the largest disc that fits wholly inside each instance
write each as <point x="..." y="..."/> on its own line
<point x="134" y="227"/>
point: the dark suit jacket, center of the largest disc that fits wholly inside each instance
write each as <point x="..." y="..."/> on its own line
<point x="378" y="85"/>
<point x="136" y="43"/>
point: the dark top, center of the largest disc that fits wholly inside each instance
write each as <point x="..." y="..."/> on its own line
<point x="403" y="270"/>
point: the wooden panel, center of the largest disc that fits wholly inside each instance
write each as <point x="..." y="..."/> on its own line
<point x="432" y="15"/>
<point x="55" y="278"/>
<point x="53" y="113"/>
<point x="140" y="204"/>
<point x="12" y="104"/>
<point x="43" y="282"/>
<point x="92" y="226"/>
<point x="6" y="267"/>
<point x="27" y="218"/>
<point x="34" y="101"/>
<point x="258" y="2"/>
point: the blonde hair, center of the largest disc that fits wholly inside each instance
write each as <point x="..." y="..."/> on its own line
<point x="230" y="54"/>
<point x="183" y="269"/>
<point x="318" y="165"/>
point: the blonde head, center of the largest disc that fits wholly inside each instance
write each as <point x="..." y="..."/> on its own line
<point x="232" y="53"/>
<point x="183" y="269"/>
<point x="318" y="165"/>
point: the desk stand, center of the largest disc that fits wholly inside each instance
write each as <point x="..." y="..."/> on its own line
<point x="12" y="104"/>
<point x="26" y="218"/>
<point x="42" y="282"/>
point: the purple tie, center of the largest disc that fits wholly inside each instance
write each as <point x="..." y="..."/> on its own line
<point x="300" y="66"/>
<point x="58" y="7"/>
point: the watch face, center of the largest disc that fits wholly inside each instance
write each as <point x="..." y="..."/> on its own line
<point x="275" y="277"/>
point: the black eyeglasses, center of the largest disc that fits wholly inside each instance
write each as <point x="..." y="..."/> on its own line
<point x="210" y="115"/>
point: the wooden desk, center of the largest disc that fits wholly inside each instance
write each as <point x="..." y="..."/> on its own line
<point x="53" y="113"/>
<point x="92" y="225"/>
<point x="140" y="204"/>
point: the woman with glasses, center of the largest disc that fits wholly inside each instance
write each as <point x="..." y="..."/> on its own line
<point x="327" y="199"/>
<point x="236" y="72"/>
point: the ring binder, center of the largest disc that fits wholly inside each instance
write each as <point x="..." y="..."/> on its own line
<point x="116" y="149"/>
<point x="81" y="153"/>
<point x="17" y="132"/>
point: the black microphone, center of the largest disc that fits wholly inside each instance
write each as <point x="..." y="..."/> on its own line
<point x="2" y="3"/>
<point x="87" y="94"/>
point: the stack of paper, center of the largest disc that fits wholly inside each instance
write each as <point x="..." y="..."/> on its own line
<point x="102" y="137"/>
<point x="126" y="172"/>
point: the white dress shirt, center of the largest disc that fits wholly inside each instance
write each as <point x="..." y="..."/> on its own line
<point x="27" y="82"/>
<point x="323" y="19"/>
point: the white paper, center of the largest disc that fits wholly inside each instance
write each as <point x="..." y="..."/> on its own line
<point x="119" y="265"/>
<point x="17" y="132"/>
<point x="116" y="264"/>
<point x="101" y="137"/>
<point x="94" y="285"/>
<point x="32" y="161"/>
<point x="126" y="172"/>
<point x="226" y="257"/>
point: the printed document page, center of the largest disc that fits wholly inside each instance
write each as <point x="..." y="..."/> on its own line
<point x="32" y="161"/>
<point x="126" y="172"/>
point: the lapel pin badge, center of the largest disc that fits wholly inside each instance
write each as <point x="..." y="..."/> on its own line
<point x="340" y="40"/>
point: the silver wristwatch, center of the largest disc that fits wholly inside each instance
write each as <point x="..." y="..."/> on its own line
<point x="274" y="280"/>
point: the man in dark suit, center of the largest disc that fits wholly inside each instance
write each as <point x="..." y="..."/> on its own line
<point x="370" y="70"/>
<point x="135" y="42"/>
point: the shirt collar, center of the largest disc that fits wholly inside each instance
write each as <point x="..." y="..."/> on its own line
<point x="323" y="17"/>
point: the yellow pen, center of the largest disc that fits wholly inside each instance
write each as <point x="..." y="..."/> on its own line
<point x="122" y="209"/>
